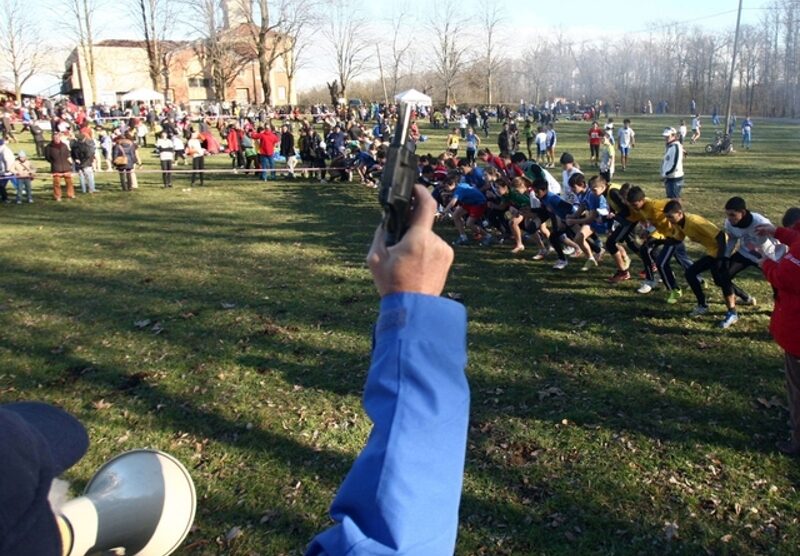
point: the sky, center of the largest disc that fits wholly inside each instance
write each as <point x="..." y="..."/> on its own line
<point x="526" y="20"/>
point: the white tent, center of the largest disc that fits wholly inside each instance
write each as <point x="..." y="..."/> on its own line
<point x="142" y="94"/>
<point x="413" y="96"/>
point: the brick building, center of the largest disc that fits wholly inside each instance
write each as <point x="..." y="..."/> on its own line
<point x="122" y="65"/>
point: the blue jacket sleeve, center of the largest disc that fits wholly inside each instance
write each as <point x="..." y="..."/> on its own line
<point x="402" y="494"/>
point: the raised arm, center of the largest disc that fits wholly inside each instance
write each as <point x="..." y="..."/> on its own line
<point x="402" y="493"/>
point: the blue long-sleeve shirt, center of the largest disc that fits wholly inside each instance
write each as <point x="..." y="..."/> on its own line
<point x="402" y="494"/>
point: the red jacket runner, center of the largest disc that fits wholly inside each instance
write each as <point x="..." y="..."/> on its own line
<point x="784" y="275"/>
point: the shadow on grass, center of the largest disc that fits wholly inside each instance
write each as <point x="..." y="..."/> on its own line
<point x="520" y="311"/>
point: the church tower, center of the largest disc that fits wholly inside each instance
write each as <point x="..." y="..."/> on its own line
<point x="235" y="12"/>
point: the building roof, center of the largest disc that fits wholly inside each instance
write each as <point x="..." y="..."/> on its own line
<point x="124" y="43"/>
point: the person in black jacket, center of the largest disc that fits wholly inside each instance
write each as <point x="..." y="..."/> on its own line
<point x="503" y="140"/>
<point x="57" y="153"/>
<point x="287" y="148"/>
<point x="38" y="139"/>
<point x="83" y="151"/>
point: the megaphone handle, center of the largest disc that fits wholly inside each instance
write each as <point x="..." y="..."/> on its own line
<point x="65" y="531"/>
<point x="80" y="516"/>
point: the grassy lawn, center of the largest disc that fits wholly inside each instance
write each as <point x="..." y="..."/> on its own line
<point x="229" y="325"/>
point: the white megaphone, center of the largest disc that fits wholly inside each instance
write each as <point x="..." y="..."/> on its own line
<point x="142" y="502"/>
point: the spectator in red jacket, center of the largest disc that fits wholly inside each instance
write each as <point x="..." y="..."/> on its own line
<point x="233" y="147"/>
<point x="784" y="275"/>
<point x="266" y="150"/>
<point x="596" y="135"/>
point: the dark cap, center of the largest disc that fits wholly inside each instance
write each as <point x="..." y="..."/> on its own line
<point x="567" y="158"/>
<point x="37" y="443"/>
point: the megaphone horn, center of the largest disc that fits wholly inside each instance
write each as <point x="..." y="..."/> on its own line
<point x="142" y="501"/>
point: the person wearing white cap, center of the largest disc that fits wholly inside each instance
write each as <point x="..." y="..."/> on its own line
<point x="25" y="172"/>
<point x="672" y="165"/>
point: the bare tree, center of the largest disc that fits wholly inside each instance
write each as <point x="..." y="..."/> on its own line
<point x="20" y="49"/>
<point x="537" y="66"/>
<point x="449" y="47"/>
<point x="298" y="38"/>
<point x="344" y="33"/>
<point x="492" y="17"/>
<point x="263" y="33"/>
<point x="666" y="66"/>
<point x="402" y="41"/>
<point x="222" y="51"/>
<point x="275" y="29"/>
<point x="154" y="19"/>
<point x="81" y="26"/>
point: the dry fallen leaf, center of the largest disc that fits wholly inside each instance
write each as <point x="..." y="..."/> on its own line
<point x="551" y="391"/>
<point x="101" y="405"/>
<point x="233" y="534"/>
<point x="774" y="401"/>
<point x="670" y="530"/>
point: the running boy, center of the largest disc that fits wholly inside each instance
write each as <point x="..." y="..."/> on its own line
<point x="467" y="201"/>
<point x="626" y="141"/>
<point x="541" y="145"/>
<point x="645" y="209"/>
<point x="589" y="219"/>
<point x="595" y="134"/>
<point x="552" y="141"/>
<point x="559" y="210"/>
<point x="700" y="230"/>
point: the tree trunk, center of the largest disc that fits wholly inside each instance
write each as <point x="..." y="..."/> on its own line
<point x="264" y="69"/>
<point x="90" y="65"/>
<point x="333" y="90"/>
<point x="17" y="87"/>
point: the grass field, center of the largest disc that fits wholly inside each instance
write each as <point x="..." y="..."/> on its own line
<point x="230" y="326"/>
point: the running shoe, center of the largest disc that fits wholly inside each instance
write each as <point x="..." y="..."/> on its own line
<point x="599" y="256"/>
<point x="647" y="286"/>
<point x="674" y="296"/>
<point x="699" y="310"/>
<point x="561" y="264"/>
<point x="461" y="241"/>
<point x="568" y="250"/>
<point x="620" y="276"/>
<point x="589" y="264"/>
<point x="730" y="319"/>
<point x="643" y="273"/>
<point x="540" y="255"/>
